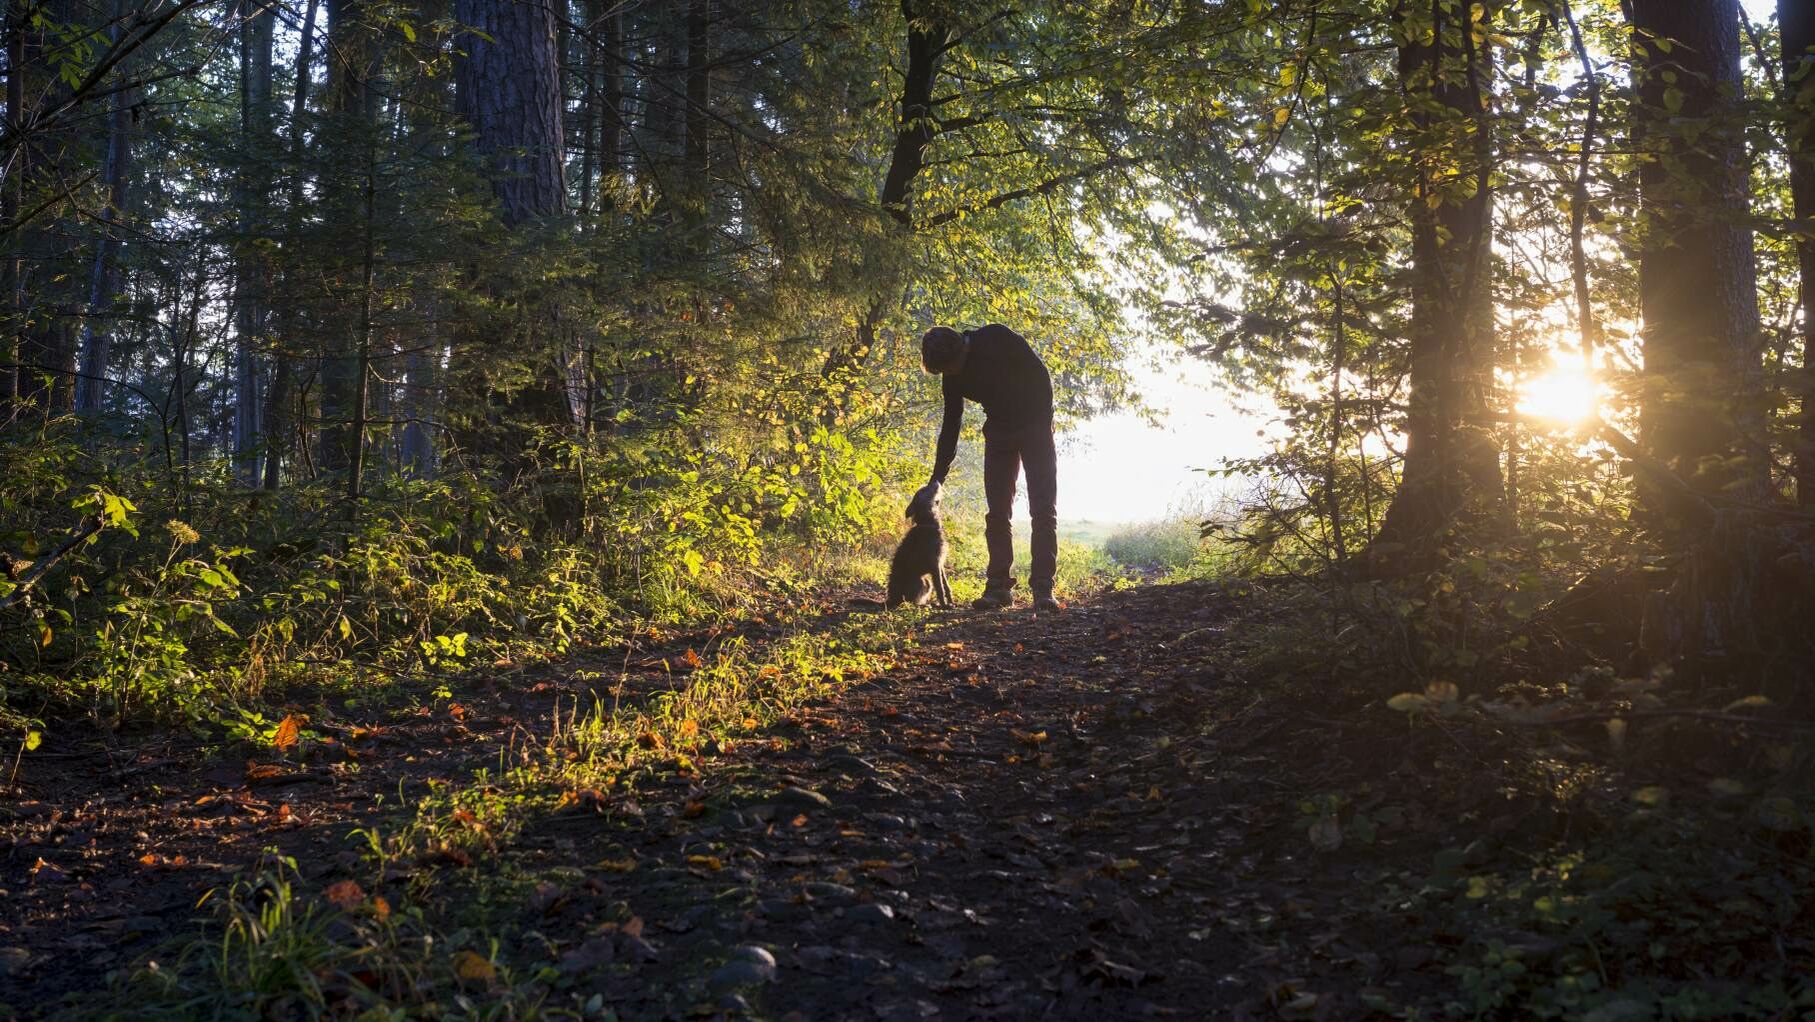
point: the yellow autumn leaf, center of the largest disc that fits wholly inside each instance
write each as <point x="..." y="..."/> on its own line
<point x="473" y="967"/>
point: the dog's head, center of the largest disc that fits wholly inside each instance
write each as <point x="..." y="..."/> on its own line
<point x="924" y="508"/>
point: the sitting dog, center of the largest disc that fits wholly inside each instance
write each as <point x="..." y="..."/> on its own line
<point x="917" y="573"/>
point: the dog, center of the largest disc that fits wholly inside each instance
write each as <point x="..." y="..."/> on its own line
<point x="917" y="571"/>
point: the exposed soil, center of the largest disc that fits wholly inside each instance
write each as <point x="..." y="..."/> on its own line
<point x="1073" y="816"/>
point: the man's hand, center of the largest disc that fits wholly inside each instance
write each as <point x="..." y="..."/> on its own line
<point x="924" y="498"/>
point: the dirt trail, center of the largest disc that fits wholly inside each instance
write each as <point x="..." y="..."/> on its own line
<point x="1027" y="817"/>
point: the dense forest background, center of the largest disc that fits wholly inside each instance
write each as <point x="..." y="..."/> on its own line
<point x="613" y="304"/>
<point x="361" y="341"/>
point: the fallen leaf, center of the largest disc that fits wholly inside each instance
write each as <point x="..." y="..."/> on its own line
<point x="289" y="732"/>
<point x="345" y="895"/>
<point x="472" y="967"/>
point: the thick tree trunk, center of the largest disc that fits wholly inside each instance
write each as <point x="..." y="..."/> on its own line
<point x="1702" y="408"/>
<point x="508" y="89"/>
<point x="915" y="130"/>
<point x="696" y="159"/>
<point x="1796" y="22"/>
<point x="1451" y="470"/>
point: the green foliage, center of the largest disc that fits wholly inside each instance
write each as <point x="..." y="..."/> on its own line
<point x="1169" y="545"/>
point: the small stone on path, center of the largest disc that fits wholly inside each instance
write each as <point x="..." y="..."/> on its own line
<point x="806" y="798"/>
<point x="874" y="912"/>
<point x="749" y="964"/>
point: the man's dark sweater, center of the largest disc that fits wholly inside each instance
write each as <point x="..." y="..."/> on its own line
<point x="1001" y="373"/>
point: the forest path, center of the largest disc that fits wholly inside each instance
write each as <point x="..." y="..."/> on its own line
<point x="1075" y="815"/>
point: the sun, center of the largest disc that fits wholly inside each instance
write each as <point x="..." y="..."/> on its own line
<point x="1563" y="395"/>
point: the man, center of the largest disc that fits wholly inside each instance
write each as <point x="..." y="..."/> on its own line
<point x="994" y="367"/>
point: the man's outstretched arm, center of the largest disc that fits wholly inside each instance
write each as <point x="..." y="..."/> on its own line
<point x="947" y="448"/>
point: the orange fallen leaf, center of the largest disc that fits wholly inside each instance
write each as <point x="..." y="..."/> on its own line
<point x="456" y="711"/>
<point x="711" y="862"/>
<point x="381" y="909"/>
<point x="694" y="808"/>
<point x="690" y="658"/>
<point x="289" y="732"/>
<point x="345" y="895"/>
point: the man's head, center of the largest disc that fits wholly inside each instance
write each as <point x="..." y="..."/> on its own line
<point x="942" y="350"/>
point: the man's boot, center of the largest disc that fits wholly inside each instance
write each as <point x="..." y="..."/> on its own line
<point x="1044" y="603"/>
<point x="996" y="596"/>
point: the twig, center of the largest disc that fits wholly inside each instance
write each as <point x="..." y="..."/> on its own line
<point x="42" y="566"/>
<point x="1715" y="716"/>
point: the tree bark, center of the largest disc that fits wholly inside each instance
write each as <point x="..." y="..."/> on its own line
<point x="250" y="270"/>
<point x="508" y="89"/>
<point x="277" y="422"/>
<point x="1451" y="469"/>
<point x="351" y="104"/>
<point x="96" y="335"/>
<point x="1796" y="23"/>
<point x="1702" y="407"/>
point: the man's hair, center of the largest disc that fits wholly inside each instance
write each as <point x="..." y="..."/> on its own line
<point x="940" y="348"/>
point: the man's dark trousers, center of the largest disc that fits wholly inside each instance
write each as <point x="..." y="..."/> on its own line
<point x="1005" y="453"/>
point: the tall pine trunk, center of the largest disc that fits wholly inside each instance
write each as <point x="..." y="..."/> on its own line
<point x="352" y="113"/>
<point x="1701" y="402"/>
<point x="508" y="89"/>
<point x="250" y="269"/>
<point x="96" y="341"/>
<point x="278" y="427"/>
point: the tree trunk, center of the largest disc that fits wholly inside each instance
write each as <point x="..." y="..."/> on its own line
<point x="508" y="89"/>
<point x="696" y="158"/>
<point x="352" y="107"/>
<point x="96" y="335"/>
<point x="250" y="270"/>
<point x="279" y="437"/>
<point x="11" y="205"/>
<point x="1796" y="22"/>
<point x="46" y="298"/>
<point x="1451" y="473"/>
<point x="1701" y="399"/>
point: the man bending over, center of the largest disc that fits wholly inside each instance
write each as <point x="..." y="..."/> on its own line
<point x="994" y="367"/>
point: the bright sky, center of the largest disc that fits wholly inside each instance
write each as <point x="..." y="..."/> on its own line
<point x="1120" y="468"/>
